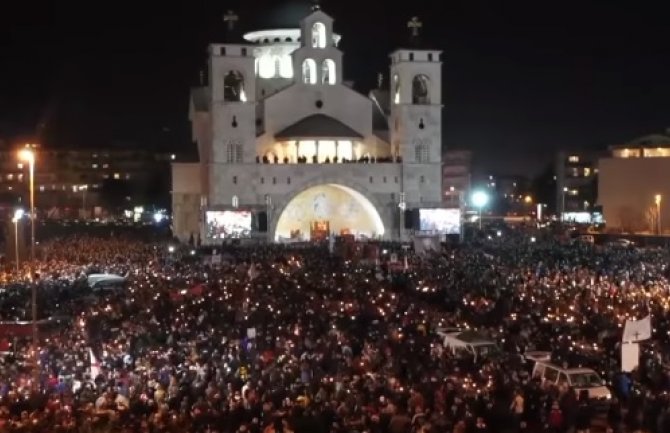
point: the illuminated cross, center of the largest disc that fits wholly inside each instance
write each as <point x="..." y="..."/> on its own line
<point x="316" y="5"/>
<point x="415" y="25"/>
<point x="231" y="18"/>
<point x="380" y="80"/>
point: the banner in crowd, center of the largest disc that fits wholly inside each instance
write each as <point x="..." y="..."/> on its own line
<point x="630" y="357"/>
<point x="95" y="364"/>
<point x="637" y="330"/>
<point x="25" y="329"/>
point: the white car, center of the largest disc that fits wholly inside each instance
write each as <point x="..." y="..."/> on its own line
<point x="469" y="341"/>
<point x="580" y="379"/>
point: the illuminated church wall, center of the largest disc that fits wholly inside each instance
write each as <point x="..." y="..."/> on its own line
<point x="338" y="102"/>
<point x="344" y="211"/>
<point x="234" y="133"/>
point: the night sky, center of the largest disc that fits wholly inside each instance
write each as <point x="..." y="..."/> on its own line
<point x="521" y="78"/>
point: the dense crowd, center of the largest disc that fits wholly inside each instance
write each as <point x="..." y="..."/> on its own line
<point x="276" y="339"/>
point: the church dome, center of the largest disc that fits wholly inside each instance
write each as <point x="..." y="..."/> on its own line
<point x="279" y="36"/>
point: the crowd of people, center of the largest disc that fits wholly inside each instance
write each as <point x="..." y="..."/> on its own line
<point x="300" y="339"/>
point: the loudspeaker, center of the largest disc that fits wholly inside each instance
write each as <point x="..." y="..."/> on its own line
<point x="409" y="219"/>
<point x="262" y="222"/>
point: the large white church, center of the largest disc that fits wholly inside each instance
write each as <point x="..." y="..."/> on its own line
<point x="289" y="151"/>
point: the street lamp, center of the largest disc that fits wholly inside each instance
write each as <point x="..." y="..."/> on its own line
<point x="402" y="205"/>
<point x="479" y="200"/>
<point x="18" y="214"/>
<point x="565" y="190"/>
<point x="657" y="200"/>
<point x="27" y="155"/>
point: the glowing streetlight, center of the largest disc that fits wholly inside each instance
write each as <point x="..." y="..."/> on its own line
<point x="528" y="199"/>
<point x="657" y="200"/>
<point x="565" y="190"/>
<point x="28" y="155"/>
<point x="18" y="214"/>
<point x="159" y="217"/>
<point x="479" y="200"/>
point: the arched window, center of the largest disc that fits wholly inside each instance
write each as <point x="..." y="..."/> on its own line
<point x="396" y="89"/>
<point x="420" y="86"/>
<point x="318" y="35"/>
<point x="266" y="66"/>
<point x="328" y="72"/>
<point x="421" y="150"/>
<point x="236" y="201"/>
<point x="309" y="71"/>
<point x="286" y="67"/>
<point x="233" y="87"/>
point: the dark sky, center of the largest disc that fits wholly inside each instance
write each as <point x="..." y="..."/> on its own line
<point x="521" y="78"/>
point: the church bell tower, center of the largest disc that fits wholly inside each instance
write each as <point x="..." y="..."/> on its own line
<point x="416" y="116"/>
<point x="232" y="84"/>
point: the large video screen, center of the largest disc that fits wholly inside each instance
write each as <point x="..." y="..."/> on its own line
<point x="228" y="224"/>
<point x="577" y="217"/>
<point x="443" y="221"/>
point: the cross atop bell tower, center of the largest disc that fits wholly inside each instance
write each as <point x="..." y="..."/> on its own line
<point x="414" y="25"/>
<point x="231" y="19"/>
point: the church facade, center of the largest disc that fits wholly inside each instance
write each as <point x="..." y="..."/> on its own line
<point x="284" y="142"/>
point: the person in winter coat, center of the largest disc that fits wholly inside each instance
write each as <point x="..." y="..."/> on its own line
<point x="555" y="419"/>
<point x="615" y="416"/>
<point x="584" y="413"/>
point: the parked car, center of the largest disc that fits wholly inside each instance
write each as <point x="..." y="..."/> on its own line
<point x="581" y="379"/>
<point x="471" y="342"/>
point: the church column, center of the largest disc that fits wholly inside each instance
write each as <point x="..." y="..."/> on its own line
<point x="297" y="150"/>
<point x="317" y="151"/>
<point x="337" y="150"/>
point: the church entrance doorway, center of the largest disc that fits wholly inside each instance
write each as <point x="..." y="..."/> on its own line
<point x="321" y="210"/>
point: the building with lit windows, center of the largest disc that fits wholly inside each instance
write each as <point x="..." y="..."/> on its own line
<point x="634" y="185"/>
<point x="71" y="183"/>
<point x="289" y="151"/>
<point x="576" y="183"/>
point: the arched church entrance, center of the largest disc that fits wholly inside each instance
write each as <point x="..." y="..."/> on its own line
<point x="318" y="211"/>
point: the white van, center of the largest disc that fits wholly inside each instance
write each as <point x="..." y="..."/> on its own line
<point x="470" y="342"/>
<point x="578" y="378"/>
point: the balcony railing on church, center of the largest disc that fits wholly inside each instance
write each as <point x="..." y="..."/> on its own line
<point x="315" y="160"/>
